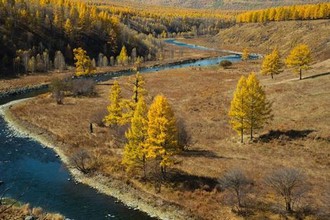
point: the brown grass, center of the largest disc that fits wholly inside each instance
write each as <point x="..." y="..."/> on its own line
<point x="20" y="212"/>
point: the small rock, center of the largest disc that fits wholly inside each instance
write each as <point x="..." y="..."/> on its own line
<point x="29" y="218"/>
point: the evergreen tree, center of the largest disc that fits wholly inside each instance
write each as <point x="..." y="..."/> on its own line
<point x="272" y="64"/>
<point x="162" y="143"/>
<point x="134" y="151"/>
<point x="115" y="110"/>
<point x="299" y="59"/>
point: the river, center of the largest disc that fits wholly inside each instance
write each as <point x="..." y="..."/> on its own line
<point x="28" y="167"/>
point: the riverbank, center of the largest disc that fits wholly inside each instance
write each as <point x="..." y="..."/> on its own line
<point x="130" y="196"/>
<point x="26" y="83"/>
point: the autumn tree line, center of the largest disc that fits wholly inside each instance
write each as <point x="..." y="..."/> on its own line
<point x="286" y="13"/>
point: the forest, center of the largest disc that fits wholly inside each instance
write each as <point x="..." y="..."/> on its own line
<point x="40" y="35"/>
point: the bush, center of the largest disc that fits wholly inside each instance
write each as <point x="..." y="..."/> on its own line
<point x="82" y="87"/>
<point x="225" y="64"/>
<point x="57" y="87"/>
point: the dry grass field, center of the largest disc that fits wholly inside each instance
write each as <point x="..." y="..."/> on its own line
<point x="201" y="98"/>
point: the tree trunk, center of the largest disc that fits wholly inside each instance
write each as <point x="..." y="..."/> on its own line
<point x="242" y="135"/>
<point x="300" y="74"/>
<point x="288" y="206"/>
<point x="144" y="167"/>
<point x="251" y="133"/>
<point x="272" y="75"/>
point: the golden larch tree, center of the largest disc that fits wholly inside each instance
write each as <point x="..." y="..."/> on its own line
<point x="245" y="54"/>
<point x="83" y="62"/>
<point x="115" y="109"/>
<point x="249" y="109"/>
<point x="272" y="64"/>
<point x="299" y="59"/>
<point x="258" y="111"/>
<point x="138" y="92"/>
<point x="162" y="141"/>
<point x="135" y="148"/>
<point x="237" y="112"/>
<point x="123" y="57"/>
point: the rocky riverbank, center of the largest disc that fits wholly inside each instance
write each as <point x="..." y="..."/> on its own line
<point x="132" y="197"/>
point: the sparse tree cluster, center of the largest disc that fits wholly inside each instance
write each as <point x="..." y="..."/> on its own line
<point x="289" y="184"/>
<point x="299" y="59"/>
<point x="152" y="135"/>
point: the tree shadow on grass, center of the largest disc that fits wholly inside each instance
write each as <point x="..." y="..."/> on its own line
<point x="284" y="135"/>
<point x="189" y="182"/>
<point x="317" y="75"/>
<point x="200" y="153"/>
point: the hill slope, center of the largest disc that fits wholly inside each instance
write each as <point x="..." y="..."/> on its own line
<point x="262" y="38"/>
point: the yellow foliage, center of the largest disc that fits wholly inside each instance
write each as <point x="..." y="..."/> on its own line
<point x="245" y="54"/>
<point x="294" y="12"/>
<point x="162" y="142"/>
<point x="299" y="59"/>
<point x="134" y="151"/>
<point x="272" y="64"/>
<point x="249" y="109"/>
<point x="83" y="62"/>
<point x="115" y="109"/>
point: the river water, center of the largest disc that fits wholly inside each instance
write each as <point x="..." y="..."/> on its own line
<point x="29" y="168"/>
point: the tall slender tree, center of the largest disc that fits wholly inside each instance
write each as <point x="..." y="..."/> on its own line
<point x="115" y="110"/>
<point x="162" y="141"/>
<point x="135" y="149"/>
<point x="237" y="112"/>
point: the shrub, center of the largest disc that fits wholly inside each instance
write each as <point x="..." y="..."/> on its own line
<point x="57" y="88"/>
<point x="225" y="64"/>
<point x="82" y="87"/>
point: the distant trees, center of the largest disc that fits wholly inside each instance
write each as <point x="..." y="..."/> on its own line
<point x="249" y="109"/>
<point x="245" y="54"/>
<point x="83" y="62"/>
<point x="272" y="64"/>
<point x="284" y="13"/>
<point x="299" y="59"/>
